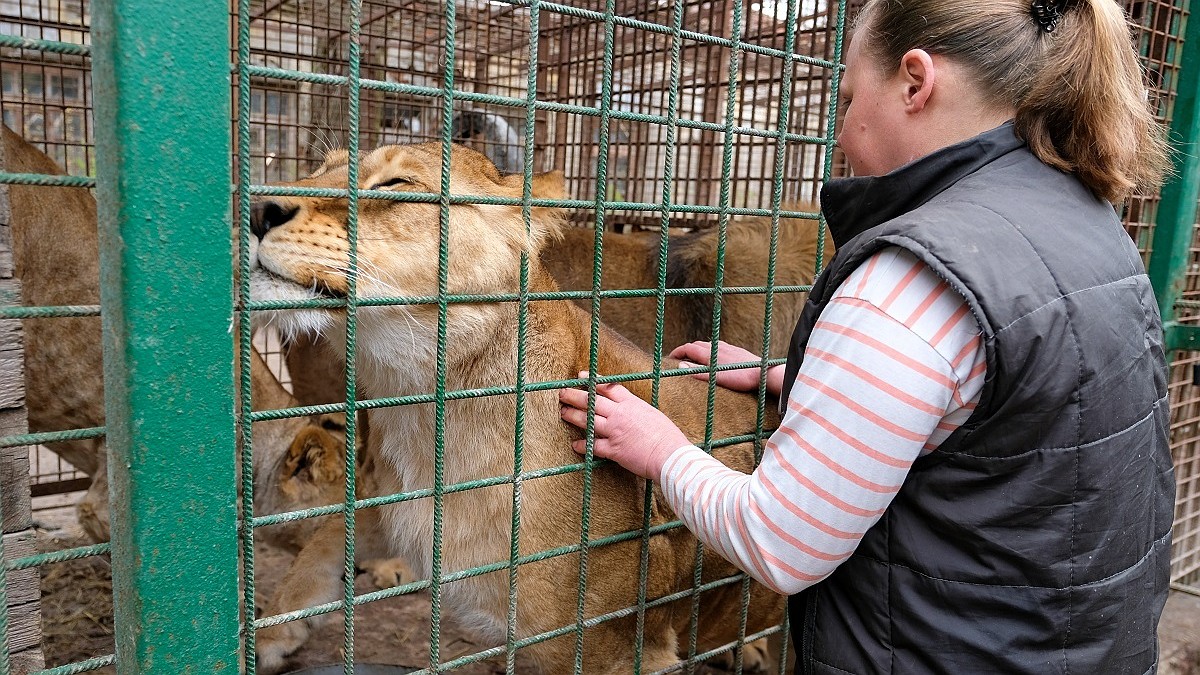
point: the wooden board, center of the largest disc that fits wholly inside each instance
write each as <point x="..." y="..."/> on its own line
<point x="24" y="595"/>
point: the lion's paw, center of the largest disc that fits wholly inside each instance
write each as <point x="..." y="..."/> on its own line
<point x="387" y="572"/>
<point x="273" y="645"/>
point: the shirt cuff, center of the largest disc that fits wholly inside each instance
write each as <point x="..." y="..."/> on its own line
<point x="675" y="459"/>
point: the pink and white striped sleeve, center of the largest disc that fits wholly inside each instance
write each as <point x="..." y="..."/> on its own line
<point x="894" y="365"/>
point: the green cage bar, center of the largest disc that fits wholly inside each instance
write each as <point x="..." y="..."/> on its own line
<point x="163" y="103"/>
<point x="352" y="166"/>
<point x="1176" y="219"/>
<point x="163" y="163"/>
<point x="514" y="551"/>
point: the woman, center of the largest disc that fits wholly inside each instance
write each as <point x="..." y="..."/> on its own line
<point x="972" y="472"/>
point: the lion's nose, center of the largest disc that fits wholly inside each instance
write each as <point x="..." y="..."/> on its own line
<point x="266" y="214"/>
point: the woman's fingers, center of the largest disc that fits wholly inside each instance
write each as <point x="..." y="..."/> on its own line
<point x="573" y="397"/>
<point x="693" y="355"/>
<point x="699" y="376"/>
<point x="574" y="416"/>
<point x="575" y="403"/>
<point x="693" y="351"/>
<point x="610" y="392"/>
<point x="599" y="447"/>
<point x="606" y="395"/>
<point x="578" y="418"/>
<point x="578" y="398"/>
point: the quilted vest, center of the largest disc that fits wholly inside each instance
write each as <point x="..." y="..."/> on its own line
<point x="1036" y="539"/>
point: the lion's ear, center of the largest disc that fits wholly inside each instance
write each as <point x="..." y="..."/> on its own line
<point x="549" y="185"/>
<point x="334" y="157"/>
<point x="546" y="222"/>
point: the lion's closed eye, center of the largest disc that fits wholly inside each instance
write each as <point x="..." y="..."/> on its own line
<point x="393" y="182"/>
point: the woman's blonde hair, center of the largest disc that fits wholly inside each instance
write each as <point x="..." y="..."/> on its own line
<point x="1078" y="89"/>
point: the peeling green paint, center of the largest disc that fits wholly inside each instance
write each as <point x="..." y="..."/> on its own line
<point x="162" y="110"/>
<point x="1176" y="219"/>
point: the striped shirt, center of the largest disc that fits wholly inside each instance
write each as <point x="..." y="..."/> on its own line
<point x="894" y="365"/>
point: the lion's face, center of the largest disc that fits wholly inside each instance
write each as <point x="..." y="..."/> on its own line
<point x="303" y="242"/>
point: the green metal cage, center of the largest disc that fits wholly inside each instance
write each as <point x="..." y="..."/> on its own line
<point x="666" y="114"/>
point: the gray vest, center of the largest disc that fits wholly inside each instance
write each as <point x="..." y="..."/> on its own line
<point x="1036" y="539"/>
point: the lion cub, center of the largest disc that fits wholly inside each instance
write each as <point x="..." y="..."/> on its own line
<point x="302" y="254"/>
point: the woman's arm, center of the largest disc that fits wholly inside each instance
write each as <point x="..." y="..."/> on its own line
<point x="892" y="367"/>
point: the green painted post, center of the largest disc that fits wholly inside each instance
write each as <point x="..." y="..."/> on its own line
<point x="1175" y="224"/>
<point x="163" y="104"/>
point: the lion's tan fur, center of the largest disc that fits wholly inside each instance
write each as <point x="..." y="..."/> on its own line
<point x="631" y="261"/>
<point x="56" y="258"/>
<point x="396" y="356"/>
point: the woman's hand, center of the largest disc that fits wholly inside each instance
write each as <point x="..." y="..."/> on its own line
<point x="695" y="354"/>
<point x="629" y="431"/>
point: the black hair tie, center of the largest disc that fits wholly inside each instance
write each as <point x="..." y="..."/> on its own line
<point x="1047" y="13"/>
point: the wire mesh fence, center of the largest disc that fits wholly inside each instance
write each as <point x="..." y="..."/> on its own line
<point x="1159" y="30"/>
<point x="616" y="91"/>
<point x="663" y="118"/>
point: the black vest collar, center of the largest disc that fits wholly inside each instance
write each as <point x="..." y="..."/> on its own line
<point x="855" y="205"/>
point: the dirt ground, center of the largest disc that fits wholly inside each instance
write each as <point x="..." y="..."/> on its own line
<point x="77" y="621"/>
<point x="1179" y="635"/>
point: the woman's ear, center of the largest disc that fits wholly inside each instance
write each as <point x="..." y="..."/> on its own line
<point x="918" y="73"/>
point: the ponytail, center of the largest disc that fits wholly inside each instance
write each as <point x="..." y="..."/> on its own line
<point x="1075" y="82"/>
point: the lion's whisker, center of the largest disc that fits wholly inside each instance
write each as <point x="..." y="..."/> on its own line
<point x="411" y="322"/>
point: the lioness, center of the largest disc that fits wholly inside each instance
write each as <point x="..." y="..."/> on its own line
<point x="302" y="255"/>
<point x="56" y="258"/>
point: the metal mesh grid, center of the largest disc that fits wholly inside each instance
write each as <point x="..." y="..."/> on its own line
<point x="291" y="121"/>
<point x="1158" y="32"/>
<point x="620" y="107"/>
<point x="46" y="98"/>
<point x="1185" y="441"/>
<point x="640" y="86"/>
